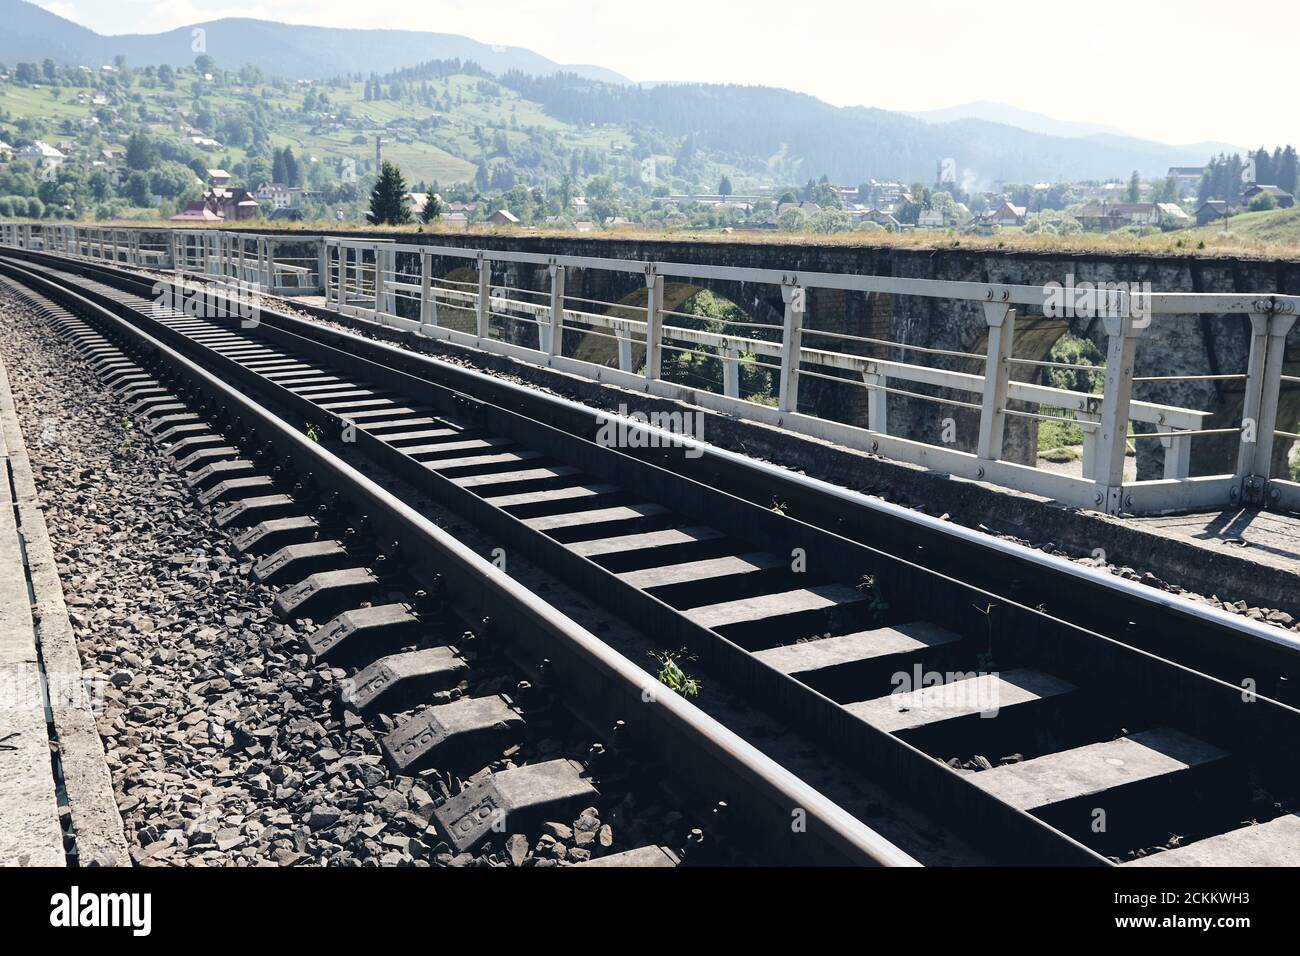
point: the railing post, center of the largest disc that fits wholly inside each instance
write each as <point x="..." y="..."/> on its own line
<point x="269" y="279"/>
<point x="428" y="304"/>
<point x="1263" y="391"/>
<point x="654" y="323"/>
<point x="1178" y="452"/>
<point x="380" y="282"/>
<point x="551" y="334"/>
<point x="1089" y="443"/>
<point x="731" y="373"/>
<point x="1001" y="321"/>
<point x="1252" y="402"/>
<point x="877" y="401"/>
<point x="795" y="298"/>
<point x="1112" y="442"/>
<point x="347" y="262"/>
<point x="323" y="268"/>
<point x="483" y="304"/>
<point x="624" y="350"/>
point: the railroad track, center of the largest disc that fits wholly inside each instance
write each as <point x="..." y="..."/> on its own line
<point x="1017" y="727"/>
<point x="386" y="582"/>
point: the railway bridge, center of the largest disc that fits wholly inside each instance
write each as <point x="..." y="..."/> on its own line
<point x="848" y="616"/>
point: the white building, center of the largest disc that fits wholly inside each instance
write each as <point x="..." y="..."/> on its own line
<point x="41" y="155"/>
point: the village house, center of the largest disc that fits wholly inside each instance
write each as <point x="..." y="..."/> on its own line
<point x="41" y="156"/>
<point x="1189" y="177"/>
<point x="503" y="217"/>
<point x="218" y="177"/>
<point x="1137" y="213"/>
<point x="1172" y="214"/>
<point x="884" y="195"/>
<point x="221" y="204"/>
<point x="1008" y="214"/>
<point x="878" y="216"/>
<point x="1281" y="198"/>
<point x="278" y="195"/>
<point x="197" y="210"/>
<point x="1215" y="210"/>
<point x="930" y="219"/>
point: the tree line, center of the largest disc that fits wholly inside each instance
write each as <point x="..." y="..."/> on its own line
<point x="1223" y="176"/>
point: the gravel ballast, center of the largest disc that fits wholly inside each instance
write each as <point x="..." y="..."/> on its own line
<point x="224" y="742"/>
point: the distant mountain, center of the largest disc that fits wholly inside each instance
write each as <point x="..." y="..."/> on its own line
<point x="1050" y="126"/>
<point x="279" y="49"/>
<point x="1012" y="116"/>
<point x="849" y="144"/>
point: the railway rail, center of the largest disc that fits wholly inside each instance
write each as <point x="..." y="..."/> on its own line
<point x="1045" y="713"/>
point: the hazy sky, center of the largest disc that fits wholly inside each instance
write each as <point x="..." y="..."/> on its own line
<point x="1178" y="72"/>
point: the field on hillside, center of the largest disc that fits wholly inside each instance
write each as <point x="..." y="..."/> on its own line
<point x="1277" y="227"/>
<point x="446" y="147"/>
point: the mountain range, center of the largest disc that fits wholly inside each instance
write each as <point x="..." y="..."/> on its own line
<point x="32" y="33"/>
<point x="751" y="127"/>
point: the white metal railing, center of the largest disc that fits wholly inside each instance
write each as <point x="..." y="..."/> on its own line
<point x="396" y="285"/>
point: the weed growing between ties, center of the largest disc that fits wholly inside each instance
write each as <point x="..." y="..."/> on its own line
<point x="877" y="606"/>
<point x="986" y="660"/>
<point x="672" y="676"/>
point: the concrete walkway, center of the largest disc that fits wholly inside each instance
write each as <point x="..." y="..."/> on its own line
<point x="1264" y="537"/>
<point x="56" y="794"/>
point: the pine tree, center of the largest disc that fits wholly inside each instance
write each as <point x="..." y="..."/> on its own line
<point x="1287" y="170"/>
<point x="278" y="170"/>
<point x="1135" y="187"/>
<point x="432" y="210"/>
<point x="388" y="205"/>
<point x="292" y="176"/>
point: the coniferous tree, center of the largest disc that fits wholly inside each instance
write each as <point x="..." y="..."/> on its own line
<point x="292" y="174"/>
<point x="388" y="205"/>
<point x="1288" y="169"/>
<point x="432" y="210"/>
